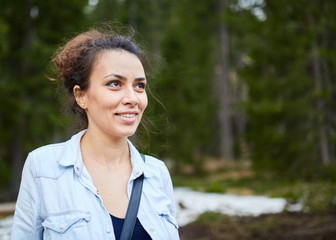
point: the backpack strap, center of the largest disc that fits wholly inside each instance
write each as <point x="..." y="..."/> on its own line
<point x="133" y="207"/>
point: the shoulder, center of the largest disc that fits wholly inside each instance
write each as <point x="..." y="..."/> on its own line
<point x="48" y="151"/>
<point x="158" y="169"/>
<point x="44" y="160"/>
<point x="155" y="163"/>
<point x="58" y="150"/>
<point x="51" y="160"/>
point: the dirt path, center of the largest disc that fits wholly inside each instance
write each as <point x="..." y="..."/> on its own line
<point x="284" y="226"/>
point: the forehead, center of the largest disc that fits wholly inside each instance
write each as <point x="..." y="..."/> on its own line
<point x="118" y="61"/>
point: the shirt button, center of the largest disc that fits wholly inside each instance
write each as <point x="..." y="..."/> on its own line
<point x="151" y="229"/>
<point x="62" y="226"/>
<point x="108" y="230"/>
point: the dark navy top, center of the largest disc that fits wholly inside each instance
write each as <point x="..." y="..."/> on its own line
<point x="139" y="232"/>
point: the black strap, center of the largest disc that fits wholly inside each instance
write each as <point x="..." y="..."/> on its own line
<point x="133" y="207"/>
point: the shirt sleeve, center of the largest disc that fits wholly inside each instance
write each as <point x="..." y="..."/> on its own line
<point x="168" y="187"/>
<point x="27" y="222"/>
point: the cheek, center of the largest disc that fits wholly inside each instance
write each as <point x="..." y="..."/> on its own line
<point x="144" y="102"/>
<point x="98" y="100"/>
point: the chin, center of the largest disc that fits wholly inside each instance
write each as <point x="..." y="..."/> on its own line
<point x="127" y="134"/>
<point x="122" y="132"/>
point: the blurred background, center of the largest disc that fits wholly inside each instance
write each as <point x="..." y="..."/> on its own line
<point x="246" y="91"/>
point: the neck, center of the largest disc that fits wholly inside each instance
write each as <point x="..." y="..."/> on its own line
<point x="104" y="149"/>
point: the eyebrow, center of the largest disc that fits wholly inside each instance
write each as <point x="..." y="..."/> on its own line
<point x="124" y="78"/>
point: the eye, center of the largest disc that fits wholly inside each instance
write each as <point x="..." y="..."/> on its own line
<point x="140" y="85"/>
<point x="114" y="84"/>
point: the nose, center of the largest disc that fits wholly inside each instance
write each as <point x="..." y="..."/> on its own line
<point x="130" y="97"/>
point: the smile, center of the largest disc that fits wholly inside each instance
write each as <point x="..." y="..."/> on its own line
<point x="127" y="115"/>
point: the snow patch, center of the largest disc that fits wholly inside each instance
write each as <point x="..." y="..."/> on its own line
<point x="190" y="204"/>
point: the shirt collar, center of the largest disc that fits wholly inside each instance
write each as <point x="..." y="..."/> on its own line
<point x="138" y="165"/>
<point x="72" y="153"/>
<point x="72" y="156"/>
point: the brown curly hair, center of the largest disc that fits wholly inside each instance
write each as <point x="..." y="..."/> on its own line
<point x="75" y="59"/>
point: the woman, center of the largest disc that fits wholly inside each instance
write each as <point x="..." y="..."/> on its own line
<point x="80" y="189"/>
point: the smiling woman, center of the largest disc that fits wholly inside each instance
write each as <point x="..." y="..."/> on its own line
<point x="116" y="98"/>
<point x="81" y="189"/>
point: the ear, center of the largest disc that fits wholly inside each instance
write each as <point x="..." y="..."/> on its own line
<point x="79" y="96"/>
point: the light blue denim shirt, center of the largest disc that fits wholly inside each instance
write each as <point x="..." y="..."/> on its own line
<point x="58" y="200"/>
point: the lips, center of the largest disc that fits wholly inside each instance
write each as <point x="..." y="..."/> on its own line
<point x="127" y="114"/>
<point x="127" y="117"/>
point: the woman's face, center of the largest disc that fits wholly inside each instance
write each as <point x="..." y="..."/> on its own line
<point x="116" y="97"/>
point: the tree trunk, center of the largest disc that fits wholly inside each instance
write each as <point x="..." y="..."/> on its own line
<point x="225" y="124"/>
<point x="320" y="105"/>
<point x="323" y="141"/>
<point x="133" y="10"/>
<point x="325" y="68"/>
<point x="18" y="144"/>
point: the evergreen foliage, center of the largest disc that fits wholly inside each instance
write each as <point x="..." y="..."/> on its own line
<point x="30" y="112"/>
<point x="291" y="96"/>
<point x="282" y="79"/>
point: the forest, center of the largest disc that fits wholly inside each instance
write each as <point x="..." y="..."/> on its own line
<point x="231" y="82"/>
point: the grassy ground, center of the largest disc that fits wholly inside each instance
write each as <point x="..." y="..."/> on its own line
<point x="318" y="195"/>
<point x="316" y="221"/>
<point x="284" y="226"/>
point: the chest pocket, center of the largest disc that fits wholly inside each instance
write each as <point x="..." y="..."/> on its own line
<point x="67" y="225"/>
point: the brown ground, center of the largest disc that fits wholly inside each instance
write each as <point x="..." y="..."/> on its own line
<point x="284" y="226"/>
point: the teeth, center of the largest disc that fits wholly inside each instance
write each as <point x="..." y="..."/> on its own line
<point x="128" y="115"/>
